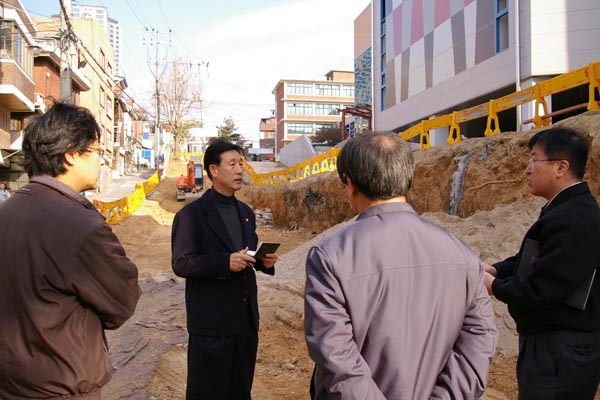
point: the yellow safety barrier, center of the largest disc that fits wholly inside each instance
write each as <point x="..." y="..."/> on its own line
<point x="188" y="156"/>
<point x="324" y="162"/>
<point x="115" y="211"/>
<point x="589" y="75"/>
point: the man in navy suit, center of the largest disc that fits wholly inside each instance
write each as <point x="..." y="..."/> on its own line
<point x="209" y="242"/>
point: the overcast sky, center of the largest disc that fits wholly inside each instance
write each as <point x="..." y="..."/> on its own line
<point x="249" y="45"/>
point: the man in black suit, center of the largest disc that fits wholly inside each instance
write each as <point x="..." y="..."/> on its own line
<point x="559" y="340"/>
<point x="209" y="242"/>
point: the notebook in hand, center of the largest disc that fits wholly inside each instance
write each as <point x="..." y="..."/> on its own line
<point x="264" y="248"/>
<point x="578" y="299"/>
<point x="531" y="249"/>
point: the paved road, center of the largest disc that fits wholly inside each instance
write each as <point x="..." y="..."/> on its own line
<point x="262" y="167"/>
<point x="120" y="187"/>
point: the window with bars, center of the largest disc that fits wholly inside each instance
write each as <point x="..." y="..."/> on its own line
<point x="321" y="127"/>
<point x="327" y="90"/>
<point x="299" y="88"/>
<point x="11" y="42"/>
<point x="327" y="109"/>
<point x="300" y="129"/>
<point x="300" y="108"/>
<point x="348" y="90"/>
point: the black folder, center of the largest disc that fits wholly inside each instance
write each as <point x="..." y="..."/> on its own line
<point x="531" y="250"/>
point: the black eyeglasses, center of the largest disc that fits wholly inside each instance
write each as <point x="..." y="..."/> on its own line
<point x="532" y="162"/>
<point x="97" y="150"/>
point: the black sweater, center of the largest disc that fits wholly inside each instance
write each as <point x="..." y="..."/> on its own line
<point x="568" y="232"/>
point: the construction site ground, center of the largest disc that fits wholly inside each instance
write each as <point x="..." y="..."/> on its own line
<point x="494" y="212"/>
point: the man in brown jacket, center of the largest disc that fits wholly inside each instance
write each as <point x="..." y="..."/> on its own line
<point x="64" y="276"/>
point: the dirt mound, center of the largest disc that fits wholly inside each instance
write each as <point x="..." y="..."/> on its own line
<point x="473" y="175"/>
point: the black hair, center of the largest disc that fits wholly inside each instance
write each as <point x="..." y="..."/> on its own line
<point x="379" y="164"/>
<point x="63" y="128"/>
<point x="212" y="154"/>
<point x="561" y="143"/>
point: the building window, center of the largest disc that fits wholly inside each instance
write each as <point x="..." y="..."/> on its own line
<point x="299" y="129"/>
<point x="327" y="109"/>
<point x="299" y="88"/>
<point x="348" y="90"/>
<point x="109" y="106"/>
<point x="322" y="127"/>
<point x="16" y="124"/>
<point x="501" y="25"/>
<point x="102" y="98"/>
<point x="300" y="108"/>
<point x="327" y="90"/>
<point x="102" y="59"/>
<point x="11" y="42"/>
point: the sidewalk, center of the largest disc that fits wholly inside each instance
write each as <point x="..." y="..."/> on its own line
<point x="120" y="187"/>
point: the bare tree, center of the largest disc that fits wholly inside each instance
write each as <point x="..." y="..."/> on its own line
<point x="181" y="98"/>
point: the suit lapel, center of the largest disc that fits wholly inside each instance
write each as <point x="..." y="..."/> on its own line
<point x="246" y="226"/>
<point x="215" y="222"/>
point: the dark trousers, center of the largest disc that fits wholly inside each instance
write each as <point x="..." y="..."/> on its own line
<point x="559" y="365"/>
<point x="222" y="368"/>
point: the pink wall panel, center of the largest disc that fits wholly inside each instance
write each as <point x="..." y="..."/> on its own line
<point x="397" y="17"/>
<point x="416" y="21"/>
<point x="442" y="11"/>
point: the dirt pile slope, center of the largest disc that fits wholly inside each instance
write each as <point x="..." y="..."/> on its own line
<point x="474" y="175"/>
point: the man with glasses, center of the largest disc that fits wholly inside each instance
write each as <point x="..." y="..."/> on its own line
<point x="64" y="276"/>
<point x="550" y="285"/>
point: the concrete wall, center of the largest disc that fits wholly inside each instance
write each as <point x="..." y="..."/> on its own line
<point x="296" y="152"/>
<point x="363" y="65"/>
<point x="558" y="35"/>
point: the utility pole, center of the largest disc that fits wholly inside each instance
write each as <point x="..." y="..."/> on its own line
<point x="66" y="85"/>
<point x="155" y="40"/>
<point x="157" y="109"/>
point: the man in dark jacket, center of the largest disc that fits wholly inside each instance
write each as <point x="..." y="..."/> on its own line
<point x="209" y="243"/>
<point x="64" y="276"/>
<point x="559" y="339"/>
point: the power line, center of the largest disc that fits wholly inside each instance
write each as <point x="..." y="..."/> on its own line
<point x="163" y="14"/>
<point x="142" y="12"/>
<point x="135" y="15"/>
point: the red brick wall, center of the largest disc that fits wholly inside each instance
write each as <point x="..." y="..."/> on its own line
<point x="11" y="74"/>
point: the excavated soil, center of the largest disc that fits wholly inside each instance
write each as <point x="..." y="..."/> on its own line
<point x="491" y="212"/>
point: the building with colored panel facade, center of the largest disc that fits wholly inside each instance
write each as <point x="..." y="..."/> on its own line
<point x="304" y="107"/>
<point x="432" y="57"/>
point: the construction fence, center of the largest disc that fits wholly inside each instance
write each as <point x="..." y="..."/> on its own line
<point x="115" y="211"/>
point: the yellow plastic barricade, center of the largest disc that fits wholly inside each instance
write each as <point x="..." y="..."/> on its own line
<point x="115" y="211"/>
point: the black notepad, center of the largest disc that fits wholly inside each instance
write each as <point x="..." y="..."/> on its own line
<point x="264" y="248"/>
<point x="531" y="250"/>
